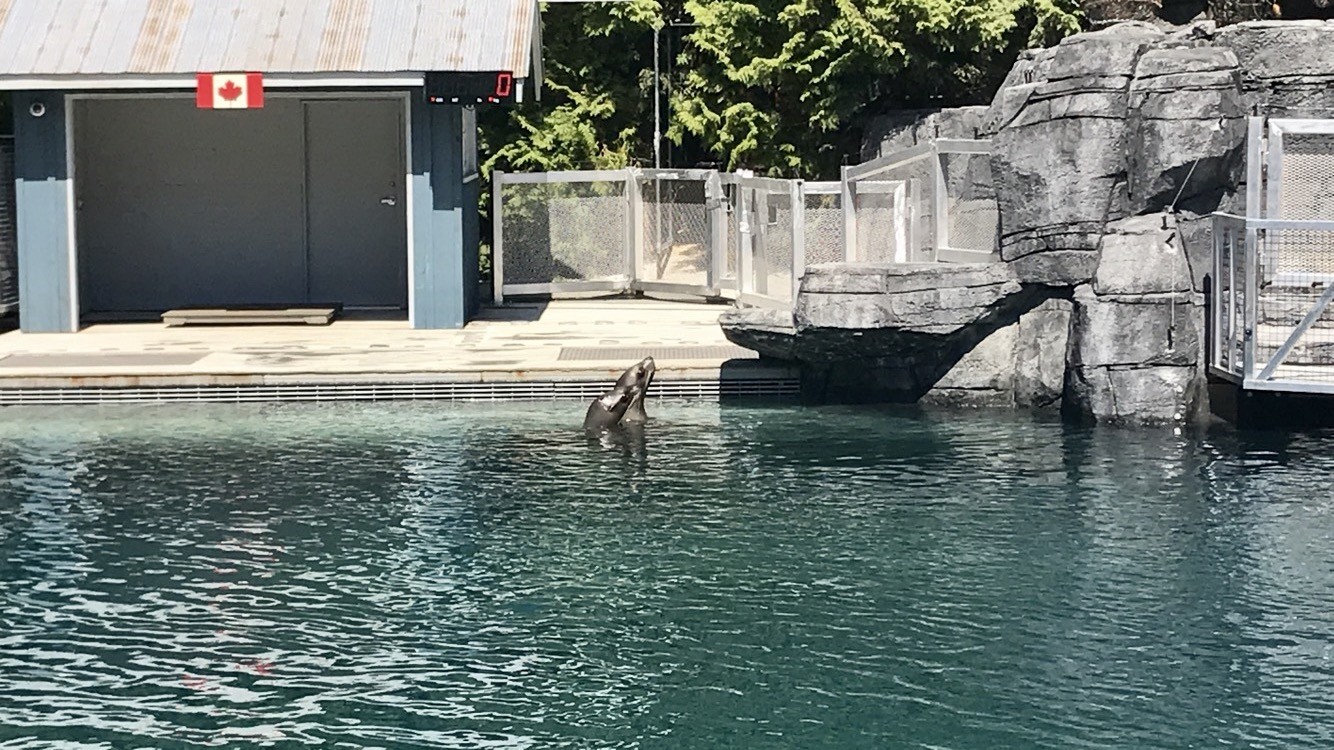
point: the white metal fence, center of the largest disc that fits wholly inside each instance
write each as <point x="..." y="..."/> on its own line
<point x="737" y="236"/>
<point x="933" y="202"/>
<point x="1273" y="271"/>
<point x="695" y="232"/>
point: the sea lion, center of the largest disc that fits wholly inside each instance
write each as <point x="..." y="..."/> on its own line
<point x="625" y="400"/>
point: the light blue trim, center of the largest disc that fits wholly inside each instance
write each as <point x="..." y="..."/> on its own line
<point x="43" y="177"/>
<point x="444" y="271"/>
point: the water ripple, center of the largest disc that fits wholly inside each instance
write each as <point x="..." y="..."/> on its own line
<point x="486" y="576"/>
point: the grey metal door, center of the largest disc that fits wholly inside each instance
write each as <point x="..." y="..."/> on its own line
<point x="355" y="203"/>
<point x="183" y="207"/>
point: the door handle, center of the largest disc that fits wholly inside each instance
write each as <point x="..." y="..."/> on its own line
<point x="389" y="201"/>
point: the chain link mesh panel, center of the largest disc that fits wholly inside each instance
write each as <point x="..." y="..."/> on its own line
<point x="676" y="245"/>
<point x="824" y="228"/>
<point x="970" y="202"/>
<point x="563" y="231"/>
<point x="1296" y="268"/>
<point x="895" y="213"/>
<point x="777" y="247"/>
<point x="1306" y="187"/>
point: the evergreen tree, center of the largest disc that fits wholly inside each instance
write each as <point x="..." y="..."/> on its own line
<point x="784" y="87"/>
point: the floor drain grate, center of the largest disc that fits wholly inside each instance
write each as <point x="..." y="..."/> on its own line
<point x="631" y="354"/>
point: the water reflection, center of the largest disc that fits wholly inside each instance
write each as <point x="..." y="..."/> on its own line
<point x="434" y="576"/>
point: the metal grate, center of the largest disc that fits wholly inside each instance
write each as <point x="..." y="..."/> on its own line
<point x="666" y="353"/>
<point x="146" y="359"/>
<point x="702" y="390"/>
<point x="1294" y="331"/>
<point x="824" y="228"/>
<point x="884" y="220"/>
<point x="970" y="202"/>
<point x="1306" y="189"/>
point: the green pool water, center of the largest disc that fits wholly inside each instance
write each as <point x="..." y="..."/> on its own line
<point x="433" y="576"/>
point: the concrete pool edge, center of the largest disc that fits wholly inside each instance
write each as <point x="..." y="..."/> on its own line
<point x="747" y="380"/>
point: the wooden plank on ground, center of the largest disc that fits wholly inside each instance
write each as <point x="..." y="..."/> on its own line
<point x="316" y="316"/>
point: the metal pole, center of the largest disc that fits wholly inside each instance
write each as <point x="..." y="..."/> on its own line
<point x="657" y="101"/>
<point x="847" y="203"/>
<point x="634" y="233"/>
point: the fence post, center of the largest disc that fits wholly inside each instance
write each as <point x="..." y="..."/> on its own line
<point x="940" y="202"/>
<point x="1255" y="158"/>
<point x="798" y="236"/>
<point x="1214" y="314"/>
<point x="759" y="242"/>
<point x="847" y="202"/>
<point x="497" y="237"/>
<point x="1249" y="301"/>
<point x="745" y="240"/>
<point x="633" y="226"/>
<point x="716" y="200"/>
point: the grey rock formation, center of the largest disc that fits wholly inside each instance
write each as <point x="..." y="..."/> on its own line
<point x="936" y="299"/>
<point x="1022" y="364"/>
<point x="1059" y="162"/>
<point x="889" y="332"/>
<point x="1188" y="119"/>
<point x="907" y="128"/>
<point x="1286" y="67"/>
<point x="1136" y="326"/>
<point x="1110" y="151"/>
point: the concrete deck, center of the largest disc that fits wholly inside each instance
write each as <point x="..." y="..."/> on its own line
<point x="562" y="348"/>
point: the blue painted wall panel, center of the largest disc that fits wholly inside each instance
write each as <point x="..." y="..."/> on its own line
<point x="444" y="258"/>
<point x="47" y="297"/>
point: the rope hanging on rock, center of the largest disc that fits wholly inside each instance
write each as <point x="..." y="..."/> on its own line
<point x="1176" y="232"/>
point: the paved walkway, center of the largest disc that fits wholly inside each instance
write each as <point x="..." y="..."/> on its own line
<point x="561" y="340"/>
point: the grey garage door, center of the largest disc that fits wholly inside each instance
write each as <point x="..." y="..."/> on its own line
<point x="300" y="201"/>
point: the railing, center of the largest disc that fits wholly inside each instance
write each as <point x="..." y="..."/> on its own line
<point x="930" y="203"/>
<point x="736" y="236"/>
<point x="693" y="232"/>
<point x="1273" y="282"/>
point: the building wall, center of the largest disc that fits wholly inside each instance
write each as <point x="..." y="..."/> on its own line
<point x="9" y="289"/>
<point x="442" y="221"/>
<point x="444" y="259"/>
<point x="48" y="291"/>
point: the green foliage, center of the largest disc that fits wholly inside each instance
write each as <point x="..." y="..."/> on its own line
<point x="597" y="109"/>
<point x="783" y="87"/>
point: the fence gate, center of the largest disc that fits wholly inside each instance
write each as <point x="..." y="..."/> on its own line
<point x="684" y="232"/>
<point x="563" y="232"/>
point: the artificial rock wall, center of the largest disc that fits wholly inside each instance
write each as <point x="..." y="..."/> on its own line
<point x="1110" y="151"/>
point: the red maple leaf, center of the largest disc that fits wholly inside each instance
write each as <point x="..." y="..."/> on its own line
<point x="231" y="92"/>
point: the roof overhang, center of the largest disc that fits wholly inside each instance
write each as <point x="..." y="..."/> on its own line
<point x="139" y="82"/>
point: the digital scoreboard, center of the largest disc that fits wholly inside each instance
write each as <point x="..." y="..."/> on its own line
<point x="496" y="87"/>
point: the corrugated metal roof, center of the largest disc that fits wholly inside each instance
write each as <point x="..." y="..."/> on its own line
<point x="148" y="37"/>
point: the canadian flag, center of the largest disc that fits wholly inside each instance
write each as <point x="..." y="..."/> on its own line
<point x="229" y="90"/>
